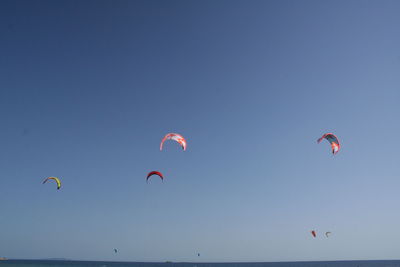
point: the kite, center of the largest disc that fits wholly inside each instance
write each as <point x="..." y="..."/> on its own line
<point x="333" y="140"/>
<point x="155" y="173"/>
<point x="176" y="137"/>
<point x="314" y="233"/>
<point x="55" y="179"/>
<point x="327" y="234"/>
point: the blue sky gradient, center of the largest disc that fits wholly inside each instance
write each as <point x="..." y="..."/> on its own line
<point x="89" y="88"/>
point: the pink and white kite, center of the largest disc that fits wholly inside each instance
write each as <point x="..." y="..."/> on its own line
<point x="176" y="137"/>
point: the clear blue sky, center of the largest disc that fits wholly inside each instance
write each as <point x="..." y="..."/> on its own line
<point x="89" y="88"/>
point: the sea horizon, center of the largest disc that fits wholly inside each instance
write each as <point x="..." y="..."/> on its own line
<point x="74" y="262"/>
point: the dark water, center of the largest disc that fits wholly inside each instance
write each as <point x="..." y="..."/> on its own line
<point x="37" y="263"/>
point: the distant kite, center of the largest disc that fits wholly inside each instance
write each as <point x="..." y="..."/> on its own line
<point x="55" y="179"/>
<point x="115" y="250"/>
<point x="155" y="173"/>
<point x="327" y="234"/>
<point x="314" y="233"/>
<point x="333" y="140"/>
<point x="176" y="137"/>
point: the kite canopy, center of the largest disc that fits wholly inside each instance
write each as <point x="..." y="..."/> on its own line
<point x="314" y="233"/>
<point x="115" y="250"/>
<point x="333" y="140"/>
<point x="55" y="179"/>
<point x="327" y="234"/>
<point x="176" y="137"/>
<point x="155" y="173"/>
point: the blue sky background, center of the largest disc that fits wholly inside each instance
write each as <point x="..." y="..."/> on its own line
<point x="89" y="88"/>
